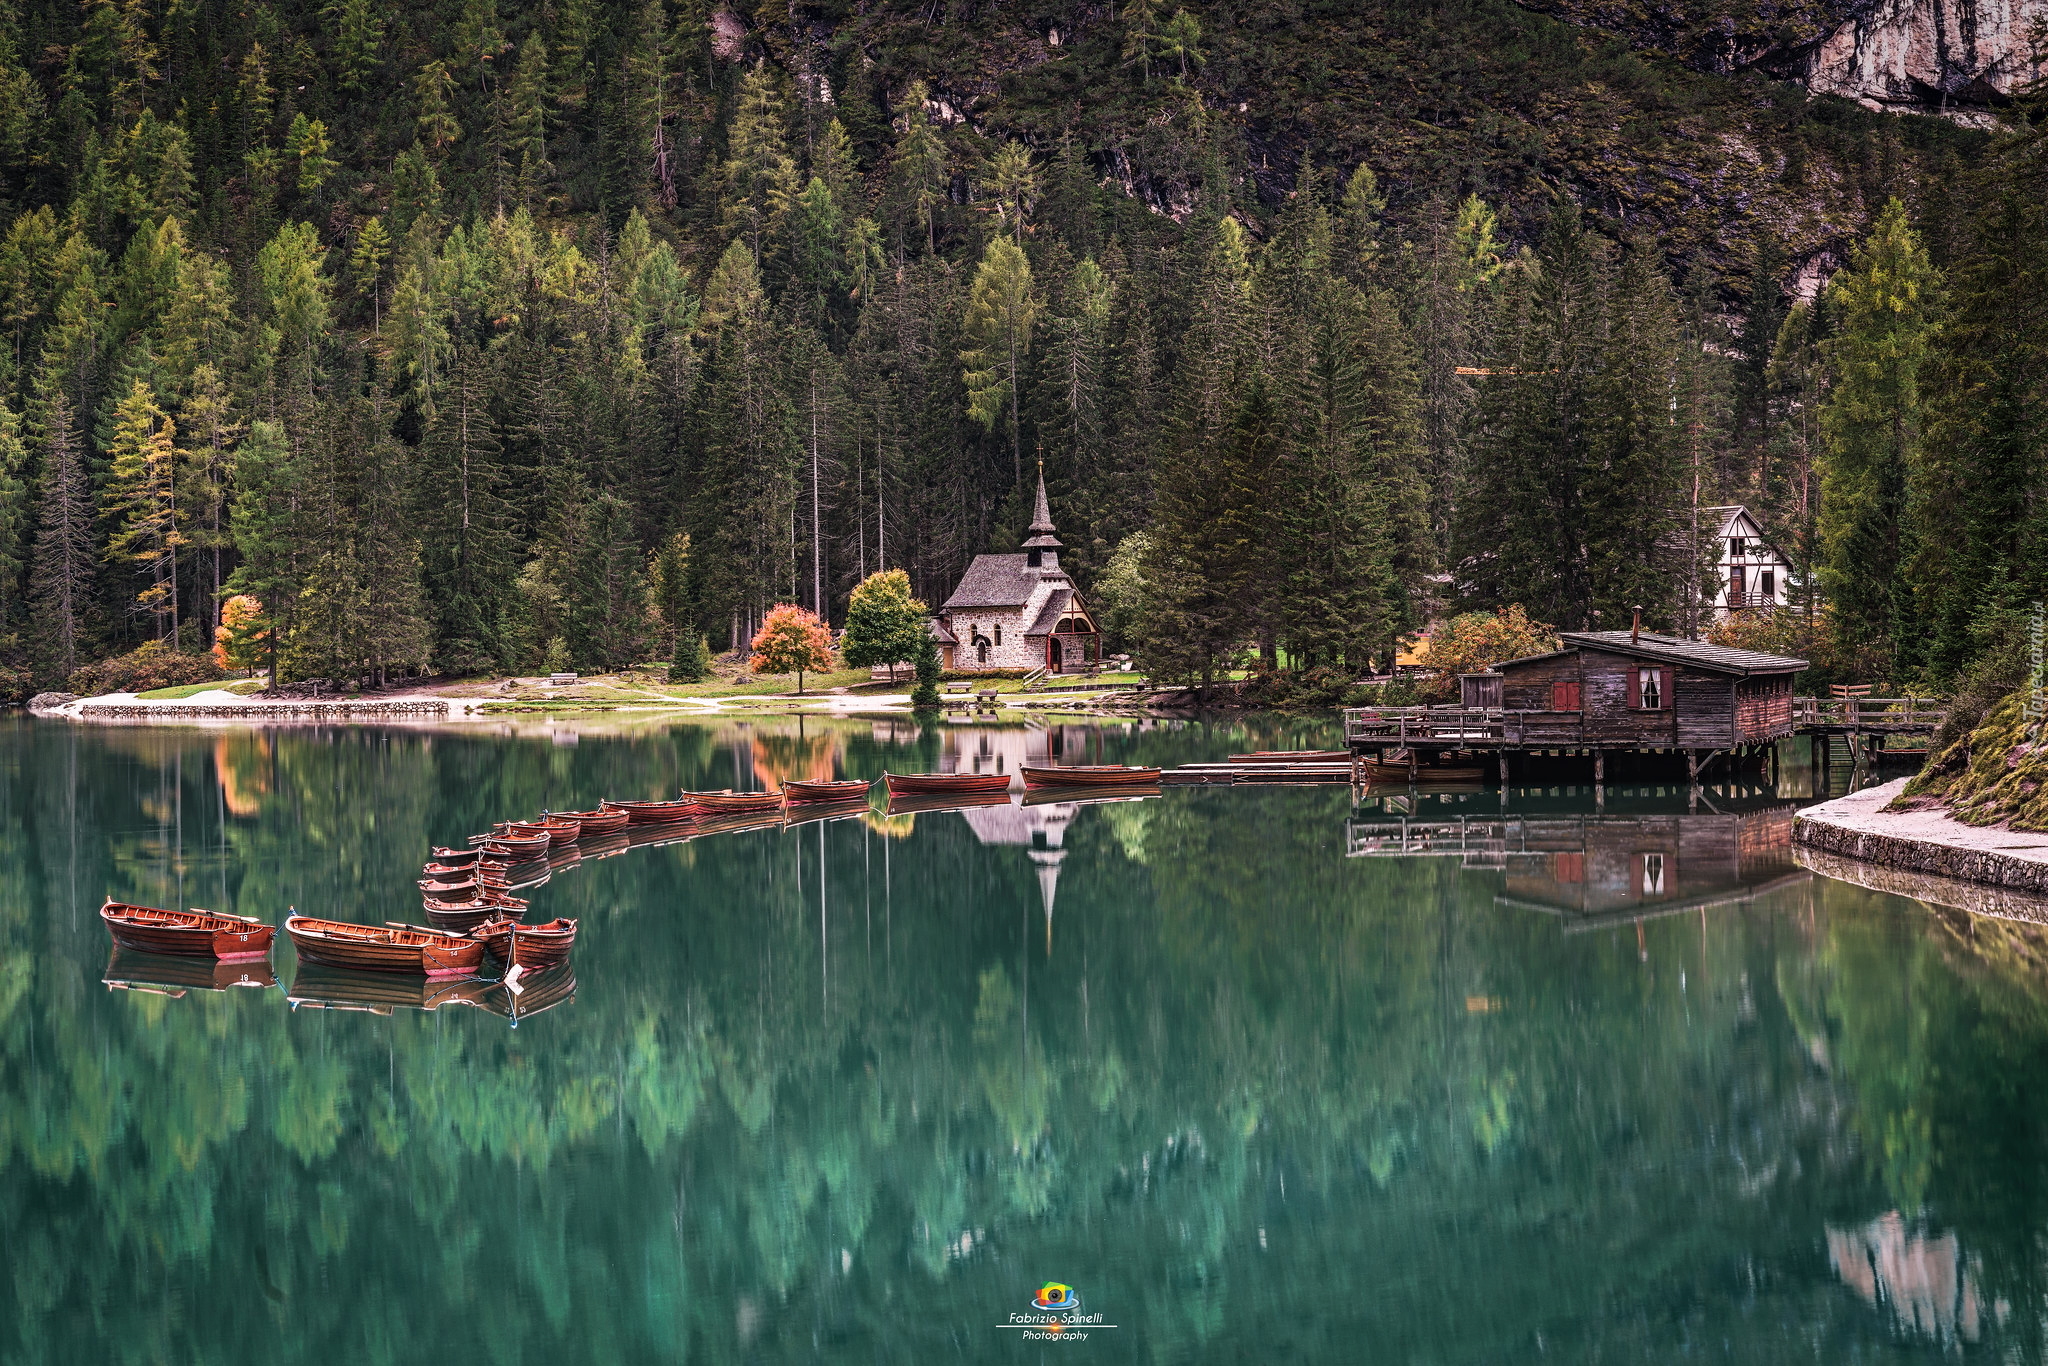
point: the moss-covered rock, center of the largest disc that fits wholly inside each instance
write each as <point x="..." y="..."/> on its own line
<point x="1995" y="775"/>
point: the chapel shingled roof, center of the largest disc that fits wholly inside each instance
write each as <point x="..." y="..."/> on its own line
<point x="996" y="581"/>
<point x="1049" y="615"/>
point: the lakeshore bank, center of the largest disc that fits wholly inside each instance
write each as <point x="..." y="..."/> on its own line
<point x="1929" y="842"/>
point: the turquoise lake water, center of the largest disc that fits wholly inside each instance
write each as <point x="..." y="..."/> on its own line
<point x="1261" y="1076"/>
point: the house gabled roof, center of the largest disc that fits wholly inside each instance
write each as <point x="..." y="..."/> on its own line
<point x="999" y="581"/>
<point x="1725" y="517"/>
<point x="941" y="634"/>
<point x="1674" y="650"/>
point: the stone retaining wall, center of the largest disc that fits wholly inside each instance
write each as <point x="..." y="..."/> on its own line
<point x="1858" y="827"/>
<point x="271" y="711"/>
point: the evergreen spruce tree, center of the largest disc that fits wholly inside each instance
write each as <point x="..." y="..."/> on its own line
<point x="759" y="181"/>
<point x="1872" y="425"/>
<point x="1638" y="534"/>
<point x="16" y="524"/>
<point x="1212" y="544"/>
<point x="1979" y="493"/>
<point x="1521" y="531"/>
<point x="141" y="500"/>
<point x="270" y="537"/>
<point x="61" y="571"/>
<point x="470" y="544"/>
<point x="996" y="340"/>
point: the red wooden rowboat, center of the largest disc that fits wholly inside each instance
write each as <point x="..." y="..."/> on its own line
<point x="461" y="919"/>
<point x="202" y="934"/>
<point x="731" y="803"/>
<point x="600" y="822"/>
<point x="494" y="897"/>
<point x="947" y="782"/>
<point x="1088" y="775"/>
<point x="558" y="831"/>
<point x="526" y="845"/>
<point x="825" y="792"/>
<point x="384" y="948"/>
<point x="650" y="813"/>
<point x="490" y="867"/>
<point x="457" y="858"/>
<point x="536" y="946"/>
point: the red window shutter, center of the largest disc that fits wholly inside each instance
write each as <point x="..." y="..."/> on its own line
<point x="1667" y="699"/>
<point x="1635" y="685"/>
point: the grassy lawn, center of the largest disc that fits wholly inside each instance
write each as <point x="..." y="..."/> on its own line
<point x="757" y="685"/>
<point x="241" y="689"/>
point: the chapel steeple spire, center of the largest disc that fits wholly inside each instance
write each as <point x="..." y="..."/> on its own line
<point x="1042" y="551"/>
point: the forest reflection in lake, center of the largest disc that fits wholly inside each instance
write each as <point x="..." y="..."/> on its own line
<point x="1257" y="1079"/>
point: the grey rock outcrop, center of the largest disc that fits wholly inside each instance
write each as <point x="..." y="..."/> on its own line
<point x="50" y="701"/>
<point x="1958" y="58"/>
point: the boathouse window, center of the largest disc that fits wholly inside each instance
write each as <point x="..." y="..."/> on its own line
<point x="1767" y="585"/>
<point x="1737" y="547"/>
<point x="1653" y="875"/>
<point x="1650" y="688"/>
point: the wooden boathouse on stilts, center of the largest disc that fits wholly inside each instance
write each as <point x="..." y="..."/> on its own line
<point x="1600" y="693"/>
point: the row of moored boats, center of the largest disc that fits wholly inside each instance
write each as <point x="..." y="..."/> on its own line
<point x="467" y="893"/>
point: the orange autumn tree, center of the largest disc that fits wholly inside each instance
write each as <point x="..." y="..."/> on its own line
<point x="792" y="641"/>
<point x="242" y="640"/>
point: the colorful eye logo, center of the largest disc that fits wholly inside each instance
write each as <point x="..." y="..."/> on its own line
<point x="1056" y="1296"/>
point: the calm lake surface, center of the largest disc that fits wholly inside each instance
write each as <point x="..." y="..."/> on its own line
<point x="1254" y="1083"/>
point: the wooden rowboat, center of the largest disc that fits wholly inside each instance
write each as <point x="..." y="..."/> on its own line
<point x="1375" y="771"/>
<point x="1089" y="775"/>
<point x="198" y="934"/>
<point x="1293" y="756"/>
<point x="488" y="899"/>
<point x="652" y="813"/>
<point x="603" y="821"/>
<point x="163" y="975"/>
<point x="559" y="831"/>
<point x="526" y="845"/>
<point x="466" y="917"/>
<point x="532" y="946"/>
<point x="384" y="948"/>
<point x="947" y="782"/>
<point x="798" y="791"/>
<point x="455" y="872"/>
<point x="458" y="858"/>
<point x="729" y="802"/>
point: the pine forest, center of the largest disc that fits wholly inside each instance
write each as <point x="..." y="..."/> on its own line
<point x="476" y="338"/>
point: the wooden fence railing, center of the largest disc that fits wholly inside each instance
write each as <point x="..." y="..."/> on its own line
<point x="1869" y="713"/>
<point x="1490" y="726"/>
<point x="1484" y="725"/>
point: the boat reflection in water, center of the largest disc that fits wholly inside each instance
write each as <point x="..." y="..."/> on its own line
<point x="1592" y="870"/>
<point x="315" y="987"/>
<point x="165" y="975"/>
<point x="538" y="991"/>
<point x="318" y="987"/>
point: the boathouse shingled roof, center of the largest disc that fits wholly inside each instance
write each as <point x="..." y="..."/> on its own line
<point x="1674" y="650"/>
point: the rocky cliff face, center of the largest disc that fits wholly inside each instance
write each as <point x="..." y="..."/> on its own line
<point x="1956" y="58"/>
<point x="1959" y="58"/>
